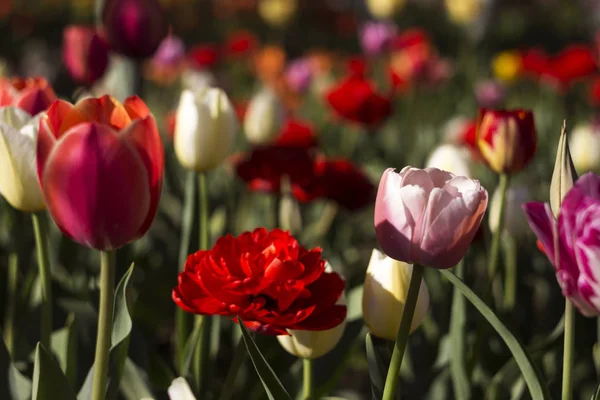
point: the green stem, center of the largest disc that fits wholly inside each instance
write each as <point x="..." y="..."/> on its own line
<point x="11" y="302"/>
<point x="567" y="382"/>
<point x="400" y="345"/>
<point x="183" y="320"/>
<point x="105" y="319"/>
<point x="495" y="249"/>
<point x="202" y="351"/>
<point x="308" y="381"/>
<point x="40" y="227"/>
<point x="458" y="368"/>
<point x="237" y="362"/>
<point x="510" y="277"/>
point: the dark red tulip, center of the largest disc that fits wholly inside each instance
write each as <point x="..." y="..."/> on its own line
<point x="203" y="56"/>
<point x="296" y="133"/>
<point x="134" y="28"/>
<point x="85" y="54"/>
<point x="241" y="44"/>
<point x="32" y="95"/>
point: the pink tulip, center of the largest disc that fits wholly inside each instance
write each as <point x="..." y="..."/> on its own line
<point x="428" y="216"/>
<point x="100" y="166"/>
<point x="577" y="233"/>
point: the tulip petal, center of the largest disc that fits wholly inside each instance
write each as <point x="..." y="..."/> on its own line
<point x="104" y="110"/>
<point x="34" y="100"/>
<point x="48" y="132"/>
<point x="136" y="108"/>
<point x="542" y="222"/>
<point x="14" y="117"/>
<point x="143" y="136"/>
<point x="96" y="187"/>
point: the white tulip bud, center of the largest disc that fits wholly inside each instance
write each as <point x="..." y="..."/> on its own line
<point x="451" y="158"/>
<point x="384" y="295"/>
<point x="205" y="129"/>
<point x="18" y="170"/>
<point x="515" y="222"/>
<point x="584" y="144"/>
<point x="180" y="390"/>
<point x="264" y="117"/>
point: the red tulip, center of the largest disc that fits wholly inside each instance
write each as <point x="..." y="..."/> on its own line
<point x="204" y="56"/>
<point x="357" y="66"/>
<point x="100" y="166"/>
<point x="241" y="44"/>
<point x="85" y="54"/>
<point x="265" y="278"/>
<point x="296" y="133"/>
<point x="570" y="65"/>
<point x="135" y="28"/>
<point x="594" y="92"/>
<point x="355" y="100"/>
<point x="32" y="95"/>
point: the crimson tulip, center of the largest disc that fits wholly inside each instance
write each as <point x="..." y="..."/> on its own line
<point x="85" y="54"/>
<point x="32" y="95"/>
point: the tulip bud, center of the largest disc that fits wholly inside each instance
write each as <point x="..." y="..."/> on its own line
<point x="289" y="211"/>
<point x="18" y="175"/>
<point x="506" y="139"/>
<point x="85" y="54"/>
<point x="451" y="158"/>
<point x="134" y="28"/>
<point x="205" y="128"/>
<point x="277" y="12"/>
<point x="515" y="222"/>
<point x="180" y="390"/>
<point x="564" y="175"/>
<point x="384" y="9"/>
<point x="264" y="117"/>
<point x="384" y="295"/>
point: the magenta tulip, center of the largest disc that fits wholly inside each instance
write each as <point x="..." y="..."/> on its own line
<point x="428" y="216"/>
<point x="100" y="166"/>
<point x="577" y="233"/>
<point x="85" y="54"/>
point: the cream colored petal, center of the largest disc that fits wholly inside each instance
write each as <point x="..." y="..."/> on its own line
<point x="180" y="390"/>
<point x="14" y="117"/>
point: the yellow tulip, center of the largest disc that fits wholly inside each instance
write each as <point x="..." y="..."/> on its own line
<point x="507" y="65"/>
<point x="384" y="9"/>
<point x="464" y="12"/>
<point x="277" y="12"/>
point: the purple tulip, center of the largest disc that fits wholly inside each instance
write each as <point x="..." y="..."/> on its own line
<point x="170" y="52"/>
<point x="489" y="93"/>
<point x="577" y="233"/>
<point x="375" y="37"/>
<point x="299" y="75"/>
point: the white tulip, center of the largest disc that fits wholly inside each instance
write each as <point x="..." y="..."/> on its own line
<point x="264" y="117"/>
<point x="515" y="222"/>
<point x="205" y="129"/>
<point x="384" y="295"/>
<point x="584" y="143"/>
<point x="384" y="9"/>
<point x="451" y="158"/>
<point x="18" y="170"/>
<point x="180" y="390"/>
<point x="195" y="80"/>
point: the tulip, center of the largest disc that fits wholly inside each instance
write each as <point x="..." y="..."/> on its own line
<point x="277" y="12"/>
<point x="452" y="158"/>
<point x="489" y="93"/>
<point x="205" y="129"/>
<point x="585" y="148"/>
<point x="507" y="65"/>
<point x="384" y="296"/>
<point x="375" y="37"/>
<point x="427" y="216"/>
<point x="32" y="95"/>
<point x="464" y="11"/>
<point x="299" y="75"/>
<point x="564" y="174"/>
<point x="18" y="176"/>
<point x="506" y="139"/>
<point x="180" y="390"/>
<point x="85" y="54"/>
<point x="264" y="117"/>
<point x="384" y="9"/>
<point x="100" y="166"/>
<point x="134" y="28"/>
<point x="514" y="221"/>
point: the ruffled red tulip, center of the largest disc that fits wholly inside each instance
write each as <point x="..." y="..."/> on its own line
<point x="85" y="54"/>
<point x="134" y="28"/>
<point x="296" y="133"/>
<point x="265" y="278"/>
<point x="203" y="56"/>
<point x="32" y="95"/>
<point x="507" y="139"/>
<point x="100" y="166"/>
<point x="355" y="100"/>
<point x="241" y="44"/>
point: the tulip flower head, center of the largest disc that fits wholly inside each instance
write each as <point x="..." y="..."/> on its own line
<point x="507" y="139"/>
<point x="100" y="166"/>
<point x="205" y="128"/>
<point x="384" y="295"/>
<point x="375" y="37"/>
<point x="266" y="279"/>
<point x="264" y="117"/>
<point x="452" y="158"/>
<point x="584" y="144"/>
<point x="180" y="390"/>
<point x="427" y="216"/>
<point x="85" y="54"/>
<point x="18" y="176"/>
<point x="299" y="75"/>
<point x="572" y="241"/>
<point x="32" y="95"/>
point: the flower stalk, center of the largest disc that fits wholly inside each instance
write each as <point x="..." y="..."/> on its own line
<point x="496" y="240"/>
<point x="569" y="351"/>
<point x="40" y="228"/>
<point x="308" y="379"/>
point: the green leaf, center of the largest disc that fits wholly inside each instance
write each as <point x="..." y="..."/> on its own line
<point x="532" y="376"/>
<point x="64" y="346"/>
<point x="48" y="378"/>
<point x="134" y="384"/>
<point x="121" y="333"/>
<point x="378" y="357"/>
<point x="271" y="383"/>
<point x="188" y="351"/>
<point x="596" y="395"/>
<point x="13" y="385"/>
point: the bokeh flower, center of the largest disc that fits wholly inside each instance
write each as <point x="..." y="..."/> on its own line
<point x="266" y="279"/>
<point x="32" y="95"/>
<point x="299" y="75"/>
<point x="452" y="158"/>
<point x="277" y="12"/>
<point x="376" y="37"/>
<point x="85" y="54"/>
<point x="384" y="9"/>
<point x="584" y="143"/>
<point x="263" y="118"/>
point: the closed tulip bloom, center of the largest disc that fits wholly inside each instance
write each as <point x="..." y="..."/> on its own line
<point x="18" y="177"/>
<point x="100" y="166"/>
<point x="384" y="295"/>
<point x="264" y="117"/>
<point x="584" y="143"/>
<point x="85" y="54"/>
<point x="427" y="216"/>
<point x="506" y="139"/>
<point x="514" y="221"/>
<point x="576" y="232"/>
<point x="205" y="128"/>
<point x="384" y="9"/>
<point x="134" y="28"/>
<point x="32" y="95"/>
<point x="452" y="158"/>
